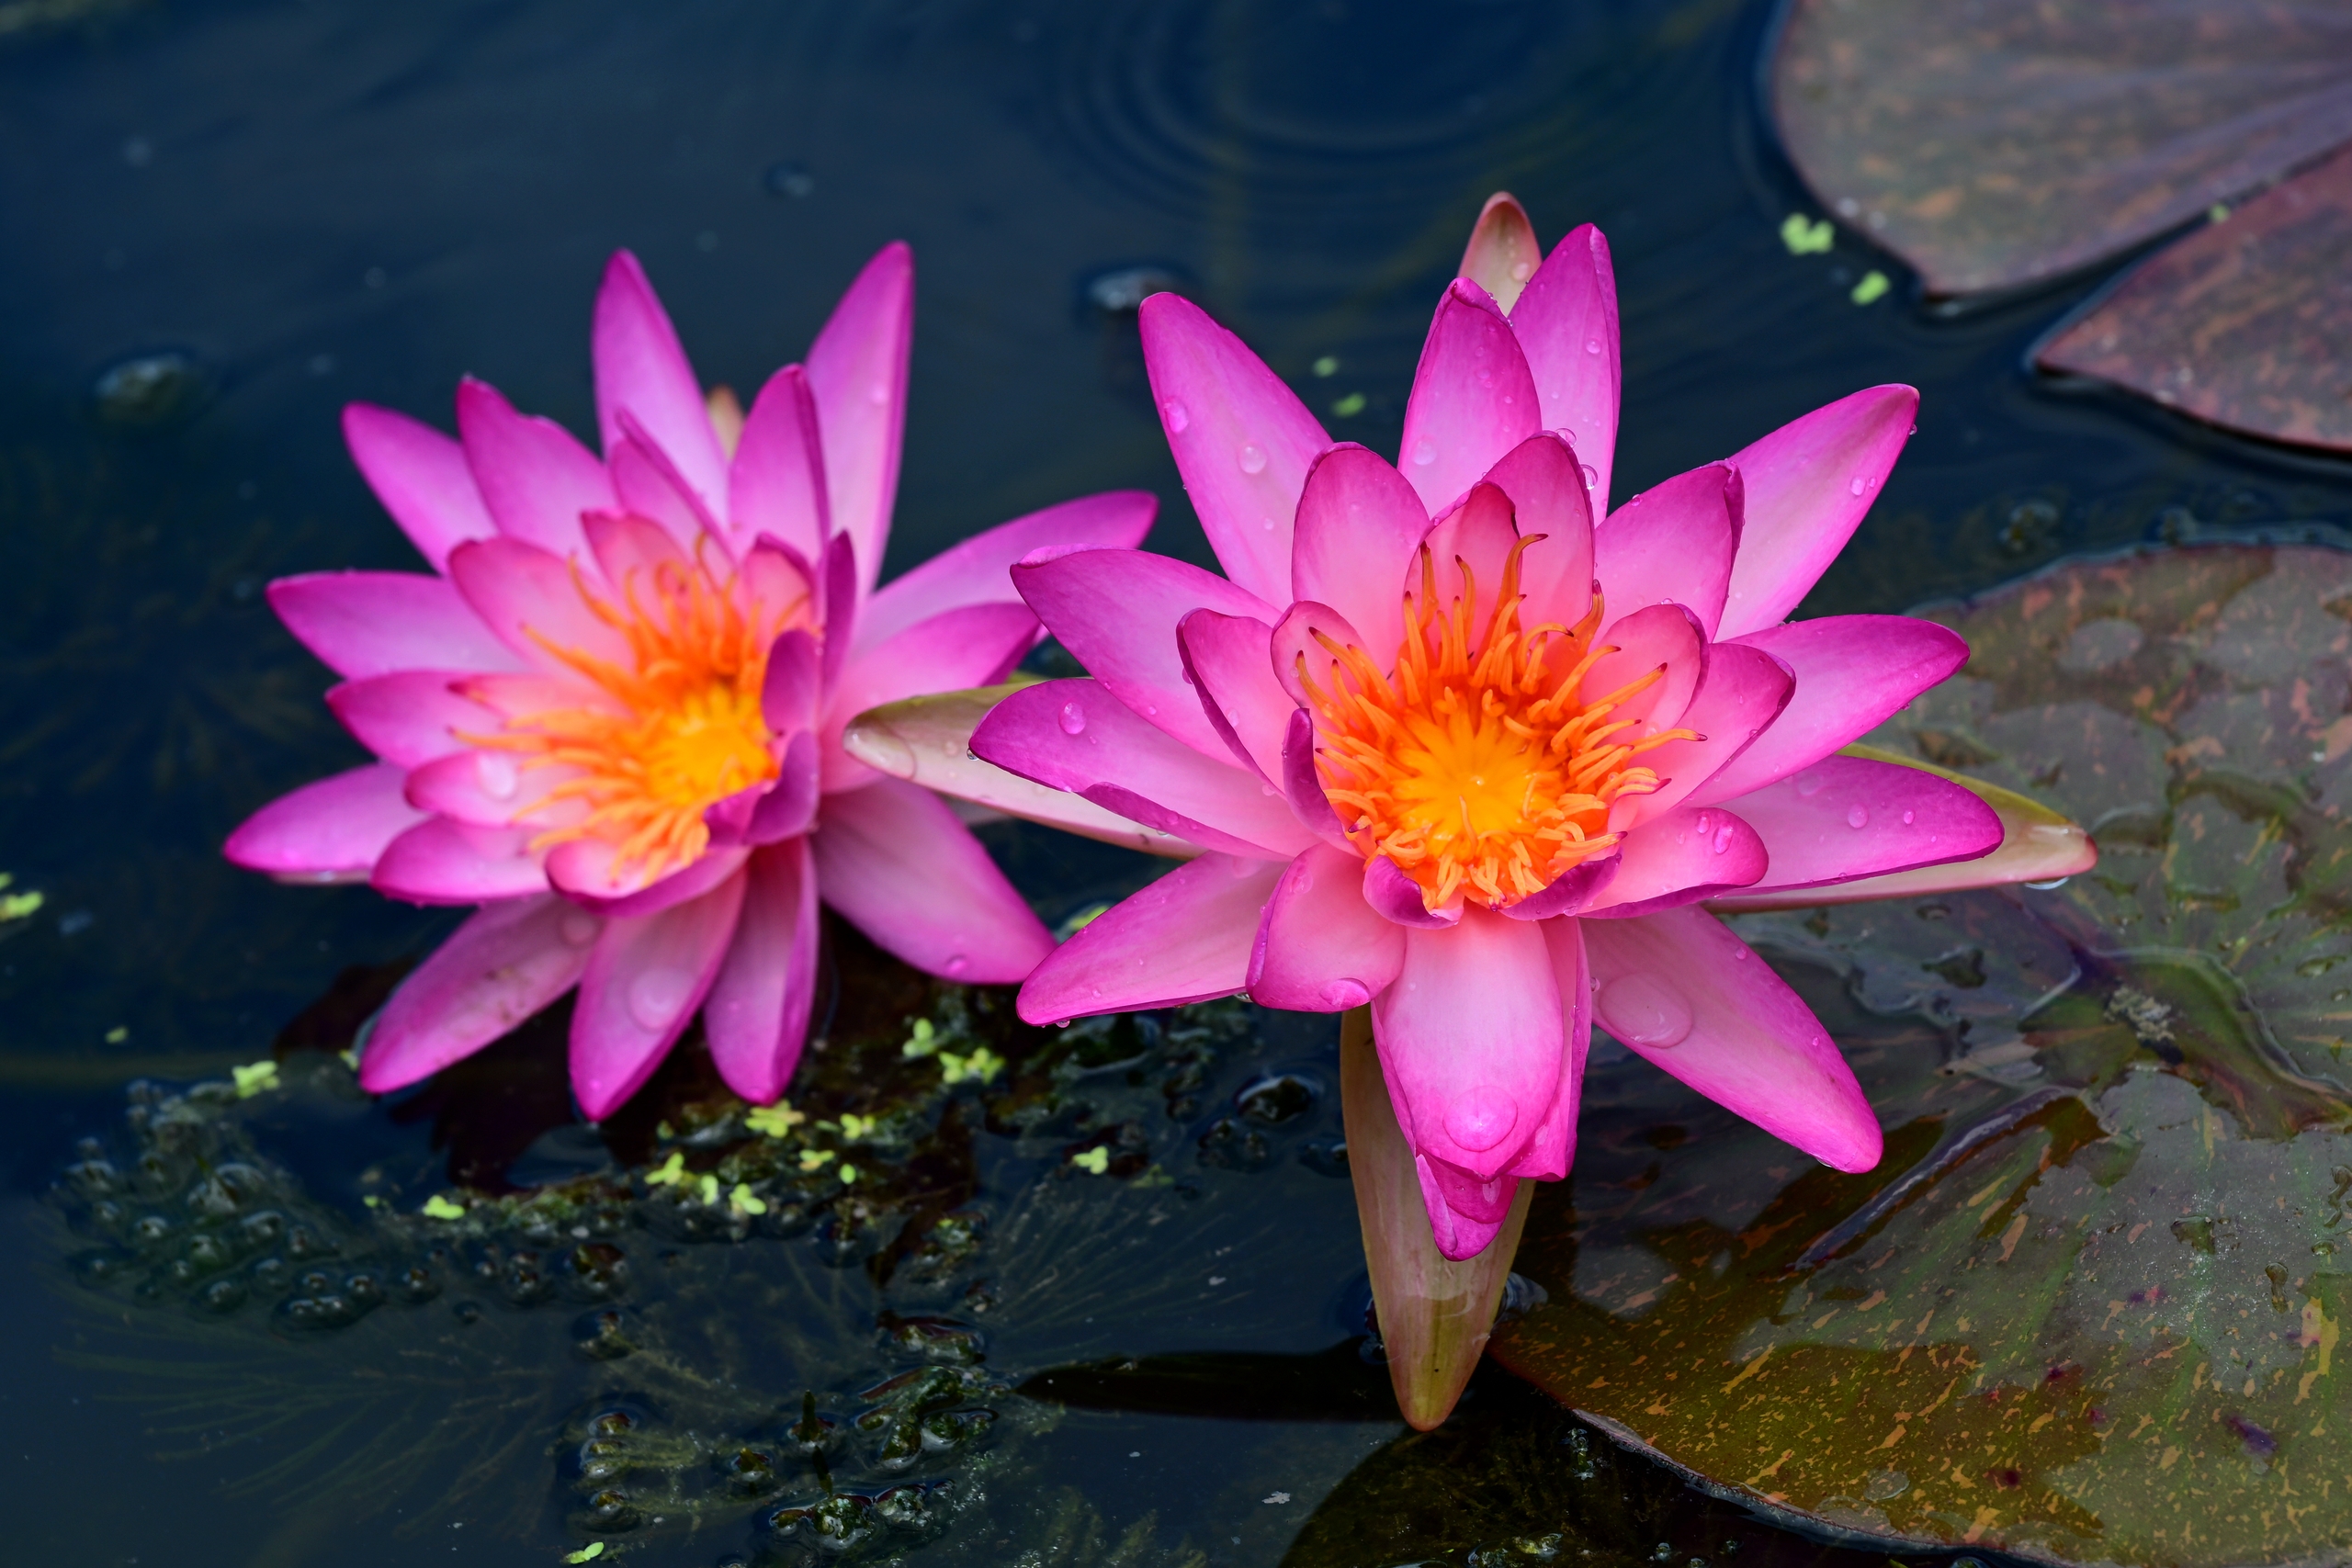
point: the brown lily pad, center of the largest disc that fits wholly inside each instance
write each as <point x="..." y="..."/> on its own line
<point x="2246" y="322"/>
<point x="2004" y="142"/>
<point x="2089" y="1307"/>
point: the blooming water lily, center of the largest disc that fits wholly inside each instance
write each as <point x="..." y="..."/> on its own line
<point x="611" y="716"/>
<point x="1454" y="742"/>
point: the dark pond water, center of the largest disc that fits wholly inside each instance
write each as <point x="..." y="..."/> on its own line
<point x="264" y="208"/>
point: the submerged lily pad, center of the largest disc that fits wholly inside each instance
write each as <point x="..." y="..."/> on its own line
<point x="2088" y="1308"/>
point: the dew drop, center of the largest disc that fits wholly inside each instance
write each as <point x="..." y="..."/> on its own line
<point x="1252" y="457"/>
<point x="1646" y="1010"/>
<point x="1809" y="783"/>
<point x="1723" y="838"/>
<point x="1909" y="818"/>
<point x="1858" y="817"/>
<point x="1591" y="475"/>
<point x="1267" y="523"/>
<point x="1179" y="418"/>
<point x="1073" y="721"/>
<point x="878" y="393"/>
<point x="495" y="771"/>
<point x="1521" y="271"/>
<point x="1424" y="452"/>
<point x="656" y="995"/>
<point x="1568" y="435"/>
<point x="1592" y="346"/>
<point x="579" y="927"/>
<point x="957" y="965"/>
<point x="1860" y="485"/>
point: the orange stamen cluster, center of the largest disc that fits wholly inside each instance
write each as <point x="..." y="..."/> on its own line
<point x="1475" y="764"/>
<point x="683" y="729"/>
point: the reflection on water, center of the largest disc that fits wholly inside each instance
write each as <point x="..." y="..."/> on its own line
<point x="226" y="220"/>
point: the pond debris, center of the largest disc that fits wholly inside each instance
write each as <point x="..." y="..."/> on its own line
<point x="775" y="1121"/>
<point x="18" y="905"/>
<point x="255" y="1077"/>
<point x="1871" y="288"/>
<point x="588" y="1553"/>
<point x="1095" y="1161"/>
<point x="439" y="1208"/>
<point x="1805" y="238"/>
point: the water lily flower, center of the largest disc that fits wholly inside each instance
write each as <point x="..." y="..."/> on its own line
<point x="1453" y="740"/>
<point x="611" y="714"/>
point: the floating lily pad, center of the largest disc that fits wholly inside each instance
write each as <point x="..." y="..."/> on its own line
<point x="2088" y="1309"/>
<point x="2000" y="143"/>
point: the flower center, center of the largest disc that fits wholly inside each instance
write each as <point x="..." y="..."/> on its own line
<point x="1475" y="765"/>
<point x="681" y="726"/>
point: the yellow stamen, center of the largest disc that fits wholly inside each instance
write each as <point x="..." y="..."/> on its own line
<point x="1475" y="764"/>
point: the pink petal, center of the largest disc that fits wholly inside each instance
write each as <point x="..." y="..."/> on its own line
<point x="757" y="1013"/>
<point x="1567" y="322"/>
<point x="1680" y="857"/>
<point x="1320" y="948"/>
<point x="1226" y="659"/>
<point x="1302" y="786"/>
<point x="1465" y="1213"/>
<point x="794" y="685"/>
<point x="777" y="483"/>
<point x="1072" y="735"/>
<point x="789" y="807"/>
<point x="980" y="571"/>
<point x="1808" y="484"/>
<point x="1683" y="992"/>
<point x="644" y="979"/>
<point x="1301" y="663"/>
<point x="1575" y="890"/>
<point x="534" y="479"/>
<point x="421" y="476"/>
<point x="1471" y="1041"/>
<point x="649" y="486"/>
<point x="857" y="370"/>
<point x="627" y="546"/>
<point x="1743" y="693"/>
<point x="1472" y="399"/>
<point x="1853" y="673"/>
<point x="524" y="696"/>
<point x="1553" y="1150"/>
<point x="328" y="830"/>
<point x="532" y="600"/>
<point x="487" y="786"/>
<point x="374" y="623"/>
<point x="1845" y="818"/>
<point x="1475" y="536"/>
<point x="1664" y="637"/>
<point x="1186" y="938"/>
<point x="1395" y="898"/>
<point x="776" y="581"/>
<point x="899" y="867"/>
<point x="641" y="368"/>
<point x="496" y="970"/>
<point x="1360" y="531"/>
<point x="1242" y="441"/>
<point x="838" y="591"/>
<point x="441" y="861"/>
<point x="1116" y="611"/>
<point x="1673" y="544"/>
<point x="974" y="646"/>
<point x="618" y="898"/>
<point x="1548" y="499"/>
<point x="411" y="716"/>
<point x="1502" y="253"/>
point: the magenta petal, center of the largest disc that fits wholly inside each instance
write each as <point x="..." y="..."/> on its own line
<point x="1672" y="544"/>
<point x="1743" y="694"/>
<point x="1073" y="735"/>
<point x="1808" y="484"/>
<point x="1395" y="898"/>
<point x="486" y="786"/>
<point x="410" y="717"/>
<point x="534" y="479"/>
<point x="1320" y="948"/>
<point x="645" y="977"/>
<point x="1472" y="399"/>
<point x="789" y="807"/>
<point x="1186" y="938"/>
<point x="1853" y="673"/>
<point x="1550" y="1153"/>
<point x="1117" y="612"/>
<point x="1465" y="1213"/>
<point x="757" y="1013"/>
<point x="1661" y="637"/>
<point x="332" y="829"/>
<point x="838" y="587"/>
<point x="1302" y="662"/>
<point x="421" y="476"/>
<point x="649" y="486"/>
<point x="531" y="599"/>
<point x="1360" y="529"/>
<point x="1845" y="818"/>
<point x="1226" y="659"/>
<point x="1567" y="322"/>
<point x="642" y="370"/>
<point x="1475" y="537"/>
<point x="496" y="970"/>
<point x="1242" y="441"/>
<point x="627" y="546"/>
<point x="1302" y="785"/>
<point x="1683" y="992"/>
<point x="444" y="862"/>
<point x="794" y="684"/>
<point x="974" y="645"/>
<point x="374" y="623"/>
<point x="857" y="371"/>
<point x="777" y="483"/>
<point x="980" y="571"/>
<point x="899" y="867"/>
<point x="1548" y="499"/>
<point x="1471" y="1041"/>
<point x="1573" y="890"/>
<point x="693" y="880"/>
<point x="1680" y="857"/>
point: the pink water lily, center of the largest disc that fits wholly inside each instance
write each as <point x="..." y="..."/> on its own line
<point x="611" y="715"/>
<point x="1456" y="741"/>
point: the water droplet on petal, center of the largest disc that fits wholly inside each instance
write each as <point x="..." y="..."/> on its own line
<point x="1909" y="818"/>
<point x="1481" y="1118"/>
<point x="656" y="997"/>
<point x="1073" y="719"/>
<point x="1809" y="783"/>
<point x="1591" y="475"/>
<point x="1723" y="838"/>
<point x="1858" y="485"/>
<point x="1644" y="1009"/>
<point x="579" y="927"/>
<point x="1568" y="435"/>
<point x="495" y="772"/>
<point x="878" y="393"/>
<point x="1592" y="346"/>
<point x="1179" y="418"/>
<point x="1858" y="817"/>
<point x="1521" y="271"/>
<point x="1252" y="457"/>
<point x="1424" y="452"/>
<point x="957" y="963"/>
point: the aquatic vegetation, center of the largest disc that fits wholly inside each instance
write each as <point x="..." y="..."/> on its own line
<point x="611" y="717"/>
